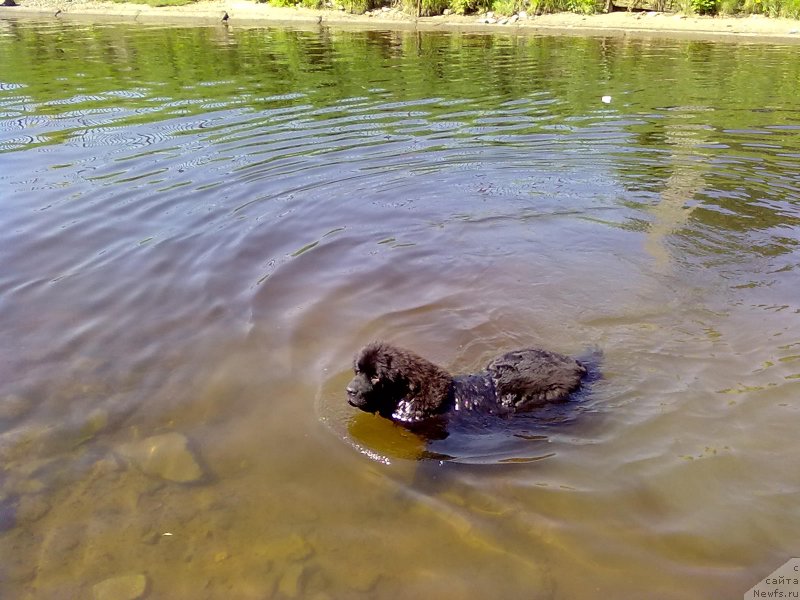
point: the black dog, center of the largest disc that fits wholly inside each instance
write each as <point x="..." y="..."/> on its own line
<point x="406" y="388"/>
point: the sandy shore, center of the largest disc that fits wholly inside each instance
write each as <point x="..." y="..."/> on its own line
<point x="249" y="13"/>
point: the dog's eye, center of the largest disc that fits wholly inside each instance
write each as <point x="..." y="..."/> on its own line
<point x="374" y="379"/>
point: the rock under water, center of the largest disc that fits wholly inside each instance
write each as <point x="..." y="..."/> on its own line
<point x="166" y="456"/>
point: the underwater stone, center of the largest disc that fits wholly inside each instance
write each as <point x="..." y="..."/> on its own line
<point x="60" y="542"/>
<point x="12" y="407"/>
<point x="96" y="421"/>
<point x="8" y="513"/>
<point x="166" y="456"/>
<point x="106" y="466"/>
<point x="292" y="548"/>
<point x="27" y="486"/>
<point x="297" y="549"/>
<point x="87" y="429"/>
<point x="289" y="585"/>
<point x="363" y="580"/>
<point x="32" y="508"/>
<point x="124" y="587"/>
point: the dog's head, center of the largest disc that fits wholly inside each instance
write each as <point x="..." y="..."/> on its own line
<point x="398" y="384"/>
<point x="378" y="384"/>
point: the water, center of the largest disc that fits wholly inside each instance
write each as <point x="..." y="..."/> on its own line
<point x="202" y="225"/>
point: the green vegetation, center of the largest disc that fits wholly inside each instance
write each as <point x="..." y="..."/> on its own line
<point x="426" y="8"/>
<point x="703" y="7"/>
<point x="358" y="6"/>
<point x="159" y="2"/>
<point x="463" y="7"/>
<point x="771" y="8"/>
<point x="587" y="7"/>
<point x="507" y="7"/>
<point x="352" y="6"/>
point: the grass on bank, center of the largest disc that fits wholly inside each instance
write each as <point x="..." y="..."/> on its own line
<point x="429" y="8"/>
<point x="771" y="8"/>
<point x="158" y="2"/>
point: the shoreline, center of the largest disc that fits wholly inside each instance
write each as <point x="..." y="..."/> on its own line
<point x="753" y="28"/>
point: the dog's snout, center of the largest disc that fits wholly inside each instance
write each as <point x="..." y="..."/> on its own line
<point x="352" y="396"/>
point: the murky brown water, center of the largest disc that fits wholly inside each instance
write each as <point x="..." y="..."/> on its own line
<point x="201" y="226"/>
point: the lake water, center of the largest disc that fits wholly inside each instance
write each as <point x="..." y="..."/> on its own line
<point x="200" y="227"/>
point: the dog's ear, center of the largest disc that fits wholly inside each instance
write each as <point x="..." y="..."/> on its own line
<point x="381" y="363"/>
<point x="384" y="370"/>
<point x="366" y="362"/>
<point x="386" y="367"/>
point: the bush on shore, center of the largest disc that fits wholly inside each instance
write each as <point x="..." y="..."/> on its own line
<point x="426" y="8"/>
<point x="770" y="8"/>
<point x="157" y="3"/>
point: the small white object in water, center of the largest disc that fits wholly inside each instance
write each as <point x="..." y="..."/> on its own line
<point x="606" y="99"/>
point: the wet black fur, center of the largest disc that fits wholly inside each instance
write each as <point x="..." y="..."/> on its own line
<point x="410" y="390"/>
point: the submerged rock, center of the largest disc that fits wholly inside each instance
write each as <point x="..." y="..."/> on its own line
<point x="8" y="513"/>
<point x="166" y="456"/>
<point x="60" y="541"/>
<point x="292" y="548"/>
<point x="88" y="427"/>
<point x="124" y="587"/>
<point x="32" y="508"/>
<point x="105" y="466"/>
<point x="12" y="407"/>
<point x="290" y="584"/>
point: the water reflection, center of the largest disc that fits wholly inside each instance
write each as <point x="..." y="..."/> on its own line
<point x="202" y="225"/>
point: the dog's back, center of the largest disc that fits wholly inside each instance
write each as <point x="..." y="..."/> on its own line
<point x="526" y="379"/>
